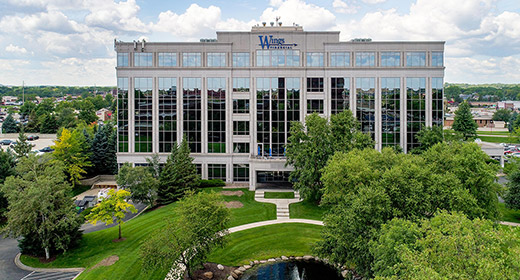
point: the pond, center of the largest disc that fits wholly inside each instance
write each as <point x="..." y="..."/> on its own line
<point x="292" y="270"/>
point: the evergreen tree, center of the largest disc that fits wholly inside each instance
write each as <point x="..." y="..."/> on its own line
<point x="178" y="176"/>
<point x="48" y="124"/>
<point x="464" y="122"/>
<point x="22" y="148"/>
<point x="33" y="125"/>
<point x="102" y="153"/>
<point x="512" y="196"/>
<point x="9" y="125"/>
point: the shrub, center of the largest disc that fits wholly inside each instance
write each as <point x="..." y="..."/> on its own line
<point x="211" y="183"/>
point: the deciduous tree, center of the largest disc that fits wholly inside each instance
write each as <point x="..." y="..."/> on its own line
<point x="199" y="227"/>
<point x="449" y="246"/>
<point x="311" y="145"/>
<point x="7" y="164"/>
<point x="114" y="206"/>
<point x="512" y="194"/>
<point x="69" y="149"/>
<point x="40" y="204"/>
<point x="140" y="181"/>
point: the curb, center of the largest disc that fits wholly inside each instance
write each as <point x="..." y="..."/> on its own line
<point x="22" y="266"/>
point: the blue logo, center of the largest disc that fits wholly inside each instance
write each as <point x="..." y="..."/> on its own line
<point x="268" y="42"/>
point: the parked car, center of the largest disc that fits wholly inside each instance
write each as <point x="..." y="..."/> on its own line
<point x="6" y="142"/>
<point x="47" y="150"/>
<point x="33" y="137"/>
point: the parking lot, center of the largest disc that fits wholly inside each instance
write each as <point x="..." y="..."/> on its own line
<point x="46" y="140"/>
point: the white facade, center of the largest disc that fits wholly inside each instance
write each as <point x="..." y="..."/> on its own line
<point x="167" y="90"/>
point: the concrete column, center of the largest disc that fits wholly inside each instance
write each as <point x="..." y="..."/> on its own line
<point x="131" y="115"/>
<point x="403" y="114"/>
<point x="378" y="120"/>
<point x="155" y="115"/>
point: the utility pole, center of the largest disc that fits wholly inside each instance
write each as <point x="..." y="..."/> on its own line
<point x="23" y="92"/>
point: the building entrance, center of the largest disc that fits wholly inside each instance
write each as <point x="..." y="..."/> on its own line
<point x="273" y="179"/>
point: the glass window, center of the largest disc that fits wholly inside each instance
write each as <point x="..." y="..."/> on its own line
<point x="314" y="59"/>
<point x="216" y="59"/>
<point x="217" y="171"/>
<point x="315" y="106"/>
<point x="167" y="59"/>
<point x="241" y="59"/>
<point x="277" y="58"/>
<point x="414" y="59"/>
<point x="240" y="84"/>
<point x="390" y="59"/>
<point x="340" y="59"/>
<point x="241" y="148"/>
<point x="240" y="128"/>
<point x="167" y="114"/>
<point x="241" y="106"/>
<point x="192" y="101"/>
<point x="365" y="59"/>
<point x="143" y="114"/>
<point x="122" y="59"/>
<point x="437" y="101"/>
<point x="390" y="111"/>
<point x="191" y="60"/>
<point x="340" y="94"/>
<point x="437" y="59"/>
<point x="241" y="172"/>
<point x="143" y="59"/>
<point x="365" y="104"/>
<point x="216" y="115"/>
<point x="315" y="84"/>
<point x="415" y="110"/>
<point x="122" y="115"/>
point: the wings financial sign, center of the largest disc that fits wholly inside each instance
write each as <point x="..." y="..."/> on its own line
<point x="268" y="43"/>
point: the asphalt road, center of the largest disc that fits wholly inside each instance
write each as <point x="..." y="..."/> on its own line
<point x="9" y="249"/>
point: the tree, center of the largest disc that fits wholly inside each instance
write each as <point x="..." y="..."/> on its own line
<point x="502" y="115"/>
<point x="311" y="145"/>
<point x="368" y="188"/>
<point x="9" y="125"/>
<point x="67" y="118"/>
<point x="46" y="107"/>
<point x="27" y="108"/>
<point x="449" y="246"/>
<point x="69" y="149"/>
<point x="112" y="207"/>
<point x="178" y="175"/>
<point x="7" y="164"/>
<point x="22" y="147"/>
<point x="154" y="165"/>
<point x="102" y="152"/>
<point x="40" y="204"/>
<point x="140" y="181"/>
<point x="464" y="122"/>
<point x="48" y="124"/>
<point x="512" y="195"/>
<point x="87" y="112"/>
<point x="200" y="227"/>
<point x="429" y="136"/>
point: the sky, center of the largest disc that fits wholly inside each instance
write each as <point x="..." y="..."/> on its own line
<point x="71" y="42"/>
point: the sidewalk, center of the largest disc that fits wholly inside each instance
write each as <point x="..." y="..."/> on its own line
<point x="282" y="205"/>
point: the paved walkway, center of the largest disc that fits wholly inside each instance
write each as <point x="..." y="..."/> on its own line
<point x="274" y="222"/>
<point x="282" y="205"/>
<point x="510" y="224"/>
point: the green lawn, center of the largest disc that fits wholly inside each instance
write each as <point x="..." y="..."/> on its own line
<point x="509" y="215"/>
<point x="307" y="210"/>
<point x="267" y="242"/>
<point x="495" y="139"/>
<point x="279" y="195"/>
<point x="492" y="132"/>
<point x="97" y="246"/>
<point x="253" y="211"/>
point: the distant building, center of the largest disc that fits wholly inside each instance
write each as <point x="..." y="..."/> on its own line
<point x="9" y="99"/>
<point x="104" y="114"/>
<point x="486" y="104"/>
<point x="512" y="105"/>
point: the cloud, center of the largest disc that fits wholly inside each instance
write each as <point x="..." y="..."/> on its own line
<point x="310" y="16"/>
<point x="54" y="21"/>
<point x="196" y="20"/>
<point x="342" y="7"/>
<point x="374" y="1"/>
<point x="121" y="16"/>
<point x="15" y="49"/>
<point x="480" y="70"/>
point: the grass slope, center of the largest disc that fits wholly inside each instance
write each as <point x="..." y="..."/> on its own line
<point x="97" y="246"/>
<point x="307" y="210"/>
<point x="509" y="215"/>
<point x="279" y="195"/>
<point x="495" y="139"/>
<point x="267" y="242"/>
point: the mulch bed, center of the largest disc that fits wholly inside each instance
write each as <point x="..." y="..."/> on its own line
<point x="234" y="204"/>
<point x="231" y="193"/>
<point x="44" y="260"/>
<point x="119" y="240"/>
<point x="106" y="262"/>
<point x="212" y="267"/>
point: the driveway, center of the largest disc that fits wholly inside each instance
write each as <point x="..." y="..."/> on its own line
<point x="9" y="249"/>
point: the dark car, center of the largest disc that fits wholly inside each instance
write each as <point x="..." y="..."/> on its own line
<point x="33" y="137"/>
<point x="6" y="142"/>
<point x="47" y="150"/>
